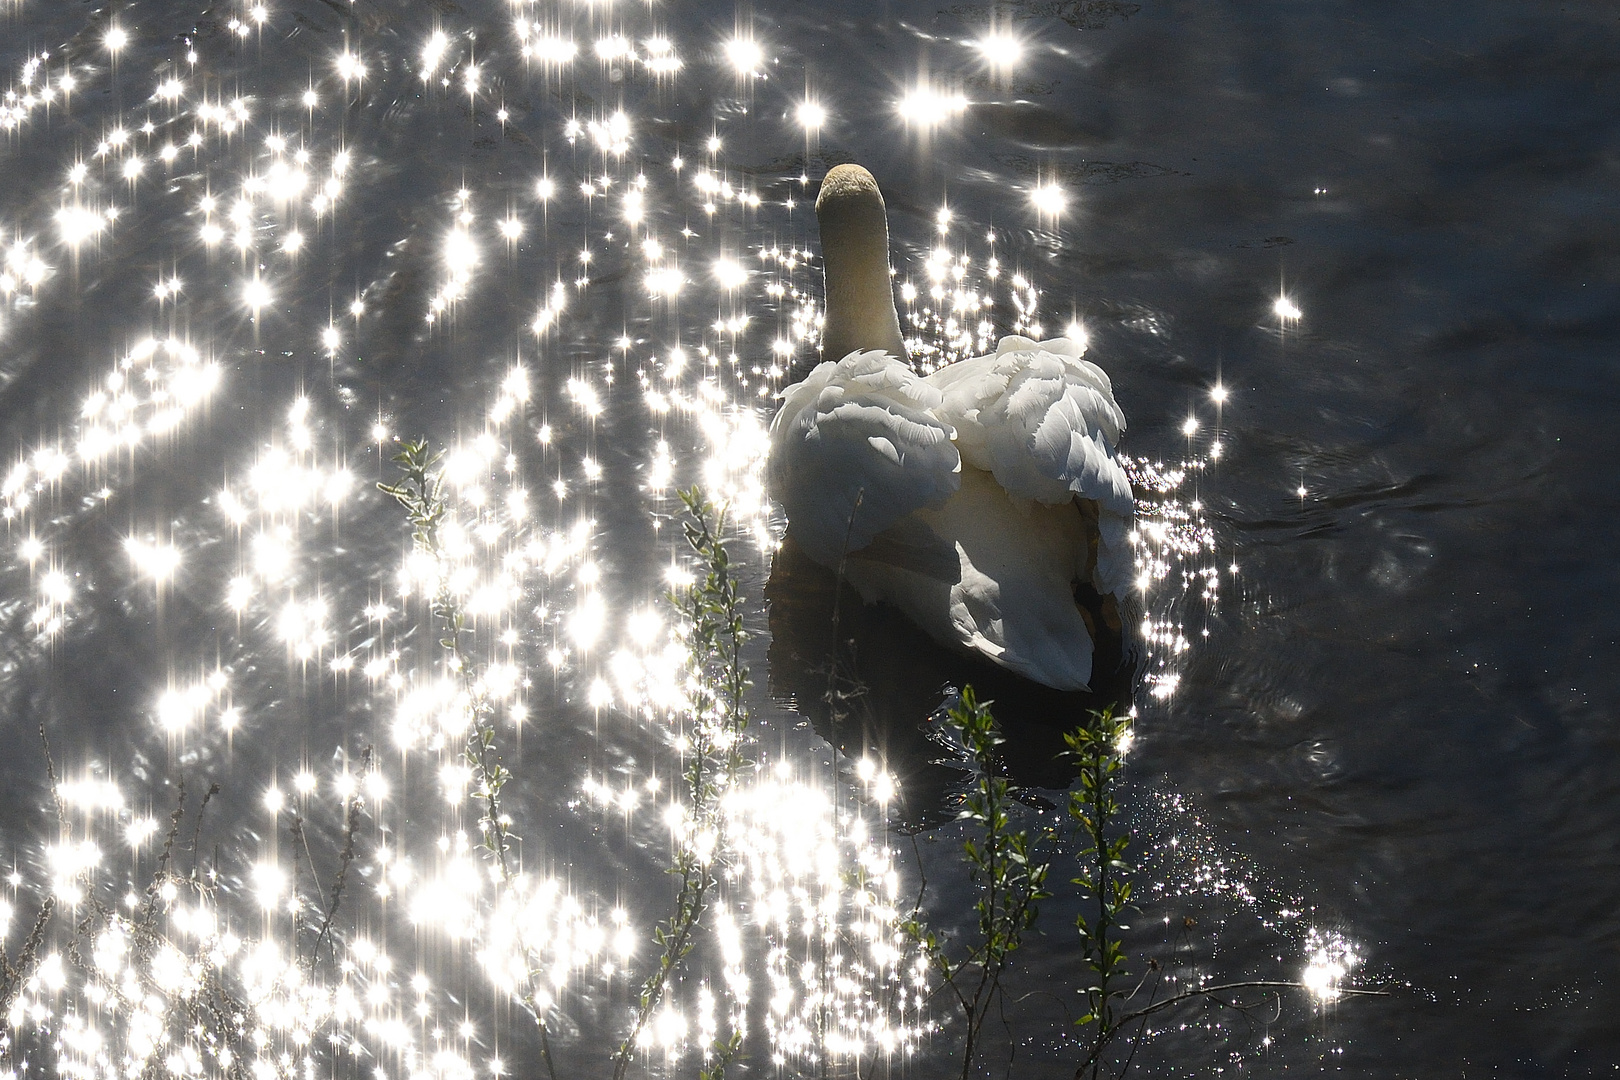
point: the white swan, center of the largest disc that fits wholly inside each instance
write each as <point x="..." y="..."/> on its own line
<point x="975" y="499"/>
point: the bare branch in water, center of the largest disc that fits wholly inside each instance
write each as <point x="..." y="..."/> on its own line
<point x="351" y="824"/>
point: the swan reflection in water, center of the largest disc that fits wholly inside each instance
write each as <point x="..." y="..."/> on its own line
<point x="872" y="683"/>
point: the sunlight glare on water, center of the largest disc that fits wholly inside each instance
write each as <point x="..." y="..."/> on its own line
<point x="246" y="959"/>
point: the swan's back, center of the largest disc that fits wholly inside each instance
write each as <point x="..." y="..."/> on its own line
<point x="1043" y="421"/>
<point x="1039" y="418"/>
<point x="855" y="448"/>
<point x="978" y="500"/>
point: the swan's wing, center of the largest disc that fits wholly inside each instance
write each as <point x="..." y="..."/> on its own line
<point x="1041" y="419"/>
<point x="972" y="582"/>
<point x="1116" y="562"/>
<point x="856" y="447"/>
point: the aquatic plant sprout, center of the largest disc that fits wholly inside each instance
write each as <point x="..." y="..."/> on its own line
<point x="379" y="901"/>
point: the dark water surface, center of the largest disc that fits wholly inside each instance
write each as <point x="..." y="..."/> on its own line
<point x="1387" y="729"/>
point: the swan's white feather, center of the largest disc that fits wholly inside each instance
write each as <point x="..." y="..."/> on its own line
<point x="855" y="448"/>
<point x="962" y="575"/>
<point x="1043" y="421"/>
<point x="966" y="484"/>
<point x="1040" y="419"/>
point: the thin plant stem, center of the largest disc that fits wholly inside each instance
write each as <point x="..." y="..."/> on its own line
<point x="351" y="825"/>
<point x="1010" y="878"/>
<point x="1104" y="874"/>
<point x="718" y="715"/>
<point x="1092" y="1058"/>
<point x="421" y="493"/>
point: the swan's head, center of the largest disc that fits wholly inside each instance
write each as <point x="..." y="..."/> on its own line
<point x="850" y="210"/>
<point x="855" y="258"/>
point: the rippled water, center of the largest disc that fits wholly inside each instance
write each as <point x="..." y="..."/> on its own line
<point x="1352" y="270"/>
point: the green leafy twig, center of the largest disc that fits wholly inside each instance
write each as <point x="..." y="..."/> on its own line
<point x="1104" y="875"/>
<point x="1010" y="880"/>
<point x="421" y="493"/>
<point x="724" y="1052"/>
<point x="718" y="714"/>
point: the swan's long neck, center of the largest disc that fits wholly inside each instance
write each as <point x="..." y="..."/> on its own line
<point x="855" y="259"/>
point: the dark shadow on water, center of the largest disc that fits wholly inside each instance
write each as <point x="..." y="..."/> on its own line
<point x="877" y="685"/>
